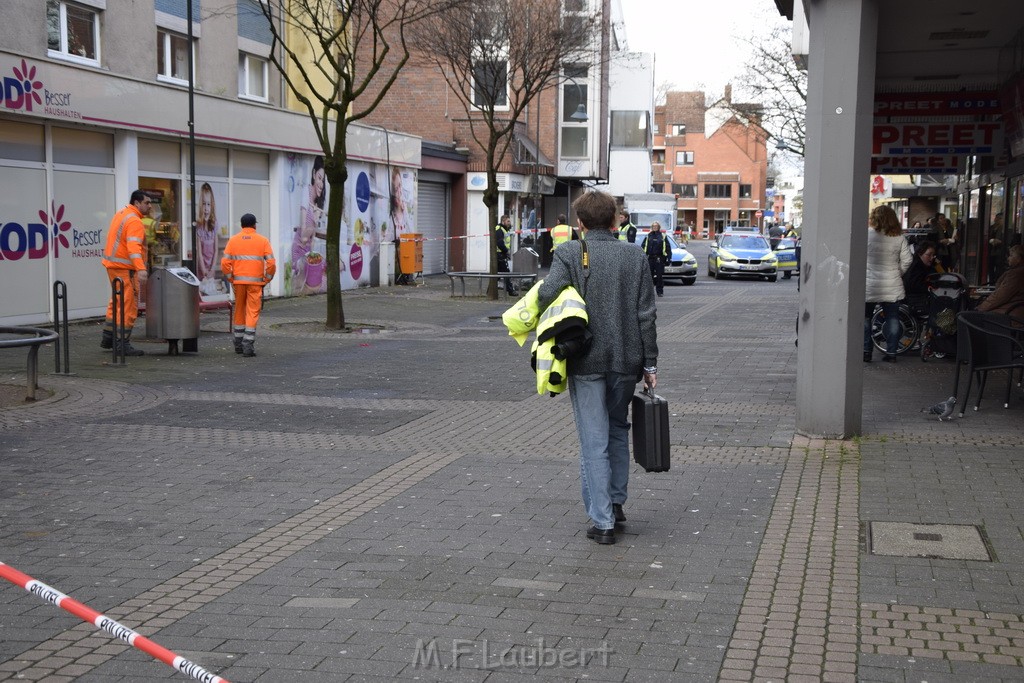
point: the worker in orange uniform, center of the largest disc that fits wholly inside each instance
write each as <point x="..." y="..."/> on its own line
<point x="125" y="257"/>
<point x="249" y="265"/>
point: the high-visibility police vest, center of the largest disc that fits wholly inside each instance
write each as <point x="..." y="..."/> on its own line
<point x="624" y="229"/>
<point x="552" y="372"/>
<point x="504" y="235"/>
<point x="560" y="234"/>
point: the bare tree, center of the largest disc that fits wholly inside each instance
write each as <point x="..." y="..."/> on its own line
<point x="338" y="59"/>
<point x="497" y="57"/>
<point x="773" y="80"/>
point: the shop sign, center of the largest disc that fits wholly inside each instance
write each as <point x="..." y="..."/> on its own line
<point x="34" y="241"/>
<point x="902" y="139"/>
<point x="939" y="164"/>
<point x="925" y="105"/>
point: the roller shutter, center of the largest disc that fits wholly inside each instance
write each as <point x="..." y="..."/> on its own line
<point x="432" y="222"/>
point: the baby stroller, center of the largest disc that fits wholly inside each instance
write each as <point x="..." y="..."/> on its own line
<point x="946" y="298"/>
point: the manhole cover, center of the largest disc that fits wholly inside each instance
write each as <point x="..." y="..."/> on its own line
<point x="942" y="541"/>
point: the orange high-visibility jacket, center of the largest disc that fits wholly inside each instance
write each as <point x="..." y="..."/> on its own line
<point x="126" y="241"/>
<point x="248" y="259"/>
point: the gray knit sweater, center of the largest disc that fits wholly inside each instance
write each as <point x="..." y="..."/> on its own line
<point x="620" y="303"/>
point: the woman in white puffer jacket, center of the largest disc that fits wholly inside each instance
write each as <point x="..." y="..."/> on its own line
<point x="888" y="257"/>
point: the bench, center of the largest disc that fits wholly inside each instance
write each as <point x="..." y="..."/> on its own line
<point x="32" y="337"/>
<point x="461" y="276"/>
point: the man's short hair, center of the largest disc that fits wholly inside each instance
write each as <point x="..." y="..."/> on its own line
<point x="596" y="210"/>
<point x="138" y="196"/>
<point x="561" y="218"/>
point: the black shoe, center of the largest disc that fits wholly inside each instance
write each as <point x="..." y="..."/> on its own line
<point x="238" y="348"/>
<point x="248" y="353"/>
<point x="107" y="340"/>
<point x="889" y="358"/>
<point x="602" y="536"/>
<point x="661" y="293"/>
<point x="129" y="350"/>
<point x="867" y="356"/>
<point x="620" y="516"/>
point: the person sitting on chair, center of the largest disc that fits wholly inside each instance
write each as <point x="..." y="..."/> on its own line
<point x="915" y="280"/>
<point x="1009" y="291"/>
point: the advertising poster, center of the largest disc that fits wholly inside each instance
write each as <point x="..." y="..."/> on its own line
<point x="305" y="208"/>
<point x="213" y="228"/>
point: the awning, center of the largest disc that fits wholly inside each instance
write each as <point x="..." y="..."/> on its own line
<point x="525" y="150"/>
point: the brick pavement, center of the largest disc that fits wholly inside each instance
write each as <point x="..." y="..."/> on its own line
<point x="384" y="505"/>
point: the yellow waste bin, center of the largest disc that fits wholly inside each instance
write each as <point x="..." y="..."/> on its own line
<point x="410" y="253"/>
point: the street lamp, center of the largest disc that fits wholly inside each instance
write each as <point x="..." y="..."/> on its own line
<point x="580" y="114"/>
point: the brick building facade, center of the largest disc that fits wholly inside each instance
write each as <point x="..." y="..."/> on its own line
<point x="714" y="160"/>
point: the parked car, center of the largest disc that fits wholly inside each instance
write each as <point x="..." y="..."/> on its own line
<point x="785" y="252"/>
<point x="682" y="266"/>
<point x="742" y="255"/>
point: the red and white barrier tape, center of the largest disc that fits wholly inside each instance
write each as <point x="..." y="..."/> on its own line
<point x="104" y="623"/>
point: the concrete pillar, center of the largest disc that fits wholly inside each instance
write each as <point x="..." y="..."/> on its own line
<point x="841" y="75"/>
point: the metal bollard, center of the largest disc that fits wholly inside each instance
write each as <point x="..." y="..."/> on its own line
<point x="60" y="326"/>
<point x="117" y="292"/>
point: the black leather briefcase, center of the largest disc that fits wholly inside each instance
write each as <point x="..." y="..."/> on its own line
<point x="650" y="432"/>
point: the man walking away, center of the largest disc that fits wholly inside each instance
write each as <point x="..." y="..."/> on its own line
<point x="656" y="248"/>
<point x="125" y="257"/>
<point x="621" y="312"/>
<point x="249" y="265"/>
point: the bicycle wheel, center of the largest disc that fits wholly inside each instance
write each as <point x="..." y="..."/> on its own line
<point x="909" y="330"/>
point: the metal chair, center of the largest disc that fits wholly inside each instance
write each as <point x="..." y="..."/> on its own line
<point x="989" y="342"/>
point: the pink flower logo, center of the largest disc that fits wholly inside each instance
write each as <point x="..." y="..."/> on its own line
<point x="59" y="226"/>
<point x="27" y="74"/>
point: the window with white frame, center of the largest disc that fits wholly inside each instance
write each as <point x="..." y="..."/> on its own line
<point x="684" y="158"/>
<point x="172" y="56"/>
<point x="575" y="134"/>
<point x="72" y="31"/>
<point x="252" y="76"/>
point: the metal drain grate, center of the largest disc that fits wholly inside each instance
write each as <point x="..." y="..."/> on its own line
<point x="940" y="541"/>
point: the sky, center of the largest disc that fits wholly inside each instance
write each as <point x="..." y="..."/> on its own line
<point x="695" y="42"/>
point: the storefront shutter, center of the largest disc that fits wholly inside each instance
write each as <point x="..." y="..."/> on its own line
<point x="432" y="222"/>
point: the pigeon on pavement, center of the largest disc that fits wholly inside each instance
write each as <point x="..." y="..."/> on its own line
<point x="944" y="409"/>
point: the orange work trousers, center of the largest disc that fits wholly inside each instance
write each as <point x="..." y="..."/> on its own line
<point x="248" y="302"/>
<point x="131" y="297"/>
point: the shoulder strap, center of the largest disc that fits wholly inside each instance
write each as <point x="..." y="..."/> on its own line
<point x="586" y="267"/>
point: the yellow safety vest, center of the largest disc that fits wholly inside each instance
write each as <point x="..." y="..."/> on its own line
<point x="525" y="316"/>
<point x="560" y="234"/>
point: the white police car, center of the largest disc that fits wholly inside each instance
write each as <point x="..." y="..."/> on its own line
<point x="745" y="255"/>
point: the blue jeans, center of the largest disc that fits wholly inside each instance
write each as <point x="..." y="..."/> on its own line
<point x="890" y="328"/>
<point x="600" y="403"/>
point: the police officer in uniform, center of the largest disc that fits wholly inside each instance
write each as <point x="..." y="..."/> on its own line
<point x="502" y="243"/>
<point x="656" y="248"/>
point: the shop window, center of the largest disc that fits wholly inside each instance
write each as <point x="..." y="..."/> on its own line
<point x="172" y="56"/>
<point x="251" y="165"/>
<point x="252" y="77"/>
<point x="21" y="142"/>
<point x="211" y="162"/>
<point x="83" y="148"/>
<point x="159" y="156"/>
<point x="163" y="225"/>
<point x="73" y="32"/>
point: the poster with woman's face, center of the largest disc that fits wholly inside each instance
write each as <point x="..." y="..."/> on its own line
<point x="305" y="213"/>
<point x="213" y="229"/>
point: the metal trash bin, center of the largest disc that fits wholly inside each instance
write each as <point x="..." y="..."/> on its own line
<point x="525" y="260"/>
<point x="172" y="308"/>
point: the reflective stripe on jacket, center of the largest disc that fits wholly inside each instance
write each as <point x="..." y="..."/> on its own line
<point x="248" y="259"/>
<point x="553" y="372"/>
<point x="126" y="241"/>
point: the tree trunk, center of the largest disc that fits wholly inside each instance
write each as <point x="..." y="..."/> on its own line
<point x="491" y="202"/>
<point x="336" y="172"/>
